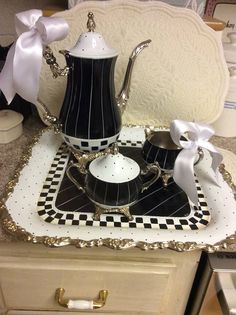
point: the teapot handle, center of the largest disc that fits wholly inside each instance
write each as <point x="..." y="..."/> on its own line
<point x="52" y="62"/>
<point x="46" y="116"/>
<point x="71" y="177"/>
<point x="151" y="168"/>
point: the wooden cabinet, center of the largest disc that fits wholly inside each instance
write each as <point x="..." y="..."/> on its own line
<point x="138" y="282"/>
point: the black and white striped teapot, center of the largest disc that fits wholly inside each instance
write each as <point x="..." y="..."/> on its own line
<point x="114" y="180"/>
<point x="90" y="117"/>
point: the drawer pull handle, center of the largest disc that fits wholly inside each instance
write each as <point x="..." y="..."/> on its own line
<point x="81" y="304"/>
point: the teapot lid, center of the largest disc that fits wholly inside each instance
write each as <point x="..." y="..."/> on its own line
<point x="230" y="48"/>
<point x="9" y="119"/>
<point x="114" y="168"/>
<point x="91" y="44"/>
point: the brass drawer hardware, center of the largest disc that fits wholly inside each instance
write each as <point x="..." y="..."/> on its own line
<point x="81" y="304"/>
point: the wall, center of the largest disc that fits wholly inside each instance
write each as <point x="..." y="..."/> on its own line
<point x="8" y="8"/>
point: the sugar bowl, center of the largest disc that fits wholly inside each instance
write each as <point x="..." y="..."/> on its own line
<point x="113" y="182"/>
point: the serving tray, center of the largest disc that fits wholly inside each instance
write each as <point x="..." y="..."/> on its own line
<point x="22" y="220"/>
<point x="60" y="202"/>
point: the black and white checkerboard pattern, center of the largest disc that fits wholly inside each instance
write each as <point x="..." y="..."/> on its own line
<point x="93" y="145"/>
<point x="130" y="143"/>
<point x="198" y="218"/>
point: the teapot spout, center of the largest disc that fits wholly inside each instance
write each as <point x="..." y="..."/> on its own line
<point x="123" y="96"/>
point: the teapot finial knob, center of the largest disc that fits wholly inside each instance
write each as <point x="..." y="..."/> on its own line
<point x="91" y="23"/>
<point x="114" y="149"/>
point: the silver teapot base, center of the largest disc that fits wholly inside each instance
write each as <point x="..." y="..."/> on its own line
<point x="83" y="158"/>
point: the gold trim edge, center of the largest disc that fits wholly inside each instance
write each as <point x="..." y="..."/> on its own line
<point x="20" y="234"/>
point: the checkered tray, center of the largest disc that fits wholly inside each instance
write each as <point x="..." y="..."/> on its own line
<point x="61" y="203"/>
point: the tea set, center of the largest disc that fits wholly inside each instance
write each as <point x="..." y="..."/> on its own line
<point x="90" y="123"/>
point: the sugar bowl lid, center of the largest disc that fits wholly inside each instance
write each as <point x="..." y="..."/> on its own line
<point x="114" y="168"/>
<point x="9" y="119"/>
<point x="91" y="44"/>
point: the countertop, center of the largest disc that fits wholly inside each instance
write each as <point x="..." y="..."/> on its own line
<point x="11" y="153"/>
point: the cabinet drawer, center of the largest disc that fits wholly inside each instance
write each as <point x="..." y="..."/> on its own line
<point x="132" y="286"/>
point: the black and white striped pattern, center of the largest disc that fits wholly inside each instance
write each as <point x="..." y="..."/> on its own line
<point x="113" y="194"/>
<point x="89" y="110"/>
<point x="52" y="201"/>
<point x="166" y="158"/>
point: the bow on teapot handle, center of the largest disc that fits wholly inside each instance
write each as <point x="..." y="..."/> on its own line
<point x="21" y="71"/>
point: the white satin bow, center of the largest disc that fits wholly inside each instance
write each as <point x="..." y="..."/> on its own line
<point x="198" y="136"/>
<point x="21" y="71"/>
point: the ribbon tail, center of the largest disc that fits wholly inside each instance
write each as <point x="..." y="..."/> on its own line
<point x="184" y="173"/>
<point x="217" y="158"/>
<point x="27" y="66"/>
<point x="6" y="76"/>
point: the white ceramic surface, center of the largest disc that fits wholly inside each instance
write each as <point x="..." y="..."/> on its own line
<point x="182" y="74"/>
<point x="220" y="200"/>
<point x="230" y="48"/>
<point x="223" y="10"/>
<point x="10" y="125"/>
<point x="114" y="168"/>
<point x="225" y="125"/>
<point x="9" y="119"/>
<point x="92" y="45"/>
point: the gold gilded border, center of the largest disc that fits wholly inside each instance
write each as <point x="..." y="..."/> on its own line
<point x="20" y="234"/>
